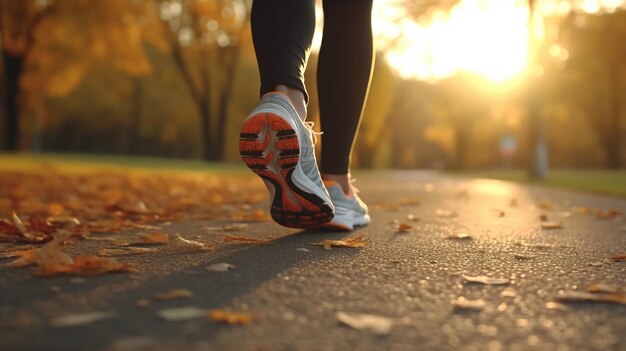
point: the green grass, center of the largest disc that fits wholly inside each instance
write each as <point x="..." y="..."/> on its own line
<point x="609" y="182"/>
<point x="88" y="162"/>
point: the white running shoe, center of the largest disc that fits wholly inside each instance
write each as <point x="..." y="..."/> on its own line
<point x="278" y="146"/>
<point x="350" y="210"/>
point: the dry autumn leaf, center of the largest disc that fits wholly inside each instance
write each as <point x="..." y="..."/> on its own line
<point x="181" y="313"/>
<point x="231" y="318"/>
<point x="153" y="238"/>
<point x="358" y="242"/>
<point x="74" y="320"/>
<point x="605" y="288"/>
<point x="551" y="225"/>
<point x="178" y="241"/>
<point x="173" y="294"/>
<point x="461" y="303"/>
<point x="376" y="324"/>
<point x="84" y="265"/>
<point x="485" y="280"/>
<point x="245" y="240"/>
<point x="404" y="228"/>
<point x="581" y="296"/>
<point x="460" y="236"/>
<point x="619" y="256"/>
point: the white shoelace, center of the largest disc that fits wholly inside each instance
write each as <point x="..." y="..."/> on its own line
<point x="308" y="159"/>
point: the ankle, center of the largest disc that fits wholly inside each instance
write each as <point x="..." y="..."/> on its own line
<point x="297" y="99"/>
<point x="342" y="179"/>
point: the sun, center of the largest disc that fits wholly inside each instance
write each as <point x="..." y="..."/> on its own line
<point x="486" y="37"/>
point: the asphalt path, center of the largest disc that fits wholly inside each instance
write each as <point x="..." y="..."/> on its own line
<point x="410" y="279"/>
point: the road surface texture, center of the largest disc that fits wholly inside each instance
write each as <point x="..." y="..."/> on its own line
<point x="411" y="278"/>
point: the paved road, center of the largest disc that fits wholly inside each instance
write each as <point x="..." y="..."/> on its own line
<point x="411" y="278"/>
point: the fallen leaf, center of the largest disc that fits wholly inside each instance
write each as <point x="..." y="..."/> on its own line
<point x="220" y="267"/>
<point x="8" y="228"/>
<point x="508" y="292"/>
<point x="377" y="324"/>
<point x="581" y="296"/>
<point x="357" y="242"/>
<point x="20" y="225"/>
<point x="596" y="264"/>
<point x="24" y="258"/>
<point x="173" y="294"/>
<point x="604" y="288"/>
<point x="485" y="280"/>
<point x="245" y="240"/>
<point x="303" y="249"/>
<point x="462" y="303"/>
<point x="153" y="238"/>
<point x="83" y="265"/>
<point x="619" y="256"/>
<point x="459" y="236"/>
<point x="404" y="228"/>
<point x="73" y="320"/>
<point x="556" y="306"/>
<point x="543" y="218"/>
<point x="551" y="225"/>
<point x="176" y="240"/>
<point x="63" y="221"/>
<point x="181" y="313"/>
<point x="231" y="318"/>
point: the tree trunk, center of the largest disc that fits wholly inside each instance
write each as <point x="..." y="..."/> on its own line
<point x="13" y="66"/>
<point x="205" y="126"/>
<point x="612" y="146"/>
<point x="132" y="145"/>
<point x="224" y="99"/>
<point x="538" y="155"/>
<point x="461" y="145"/>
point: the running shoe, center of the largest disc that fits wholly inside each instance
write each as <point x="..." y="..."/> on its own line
<point x="279" y="147"/>
<point x="350" y="210"/>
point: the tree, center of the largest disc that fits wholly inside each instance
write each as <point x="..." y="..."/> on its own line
<point x="18" y="22"/>
<point x="50" y="52"/>
<point x="205" y="39"/>
<point x="597" y="57"/>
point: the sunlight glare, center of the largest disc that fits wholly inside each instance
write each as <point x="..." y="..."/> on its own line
<point x="487" y="37"/>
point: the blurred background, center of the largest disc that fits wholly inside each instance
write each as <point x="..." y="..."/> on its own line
<point x="458" y="84"/>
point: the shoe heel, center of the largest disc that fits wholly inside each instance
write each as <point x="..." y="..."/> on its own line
<point x="269" y="146"/>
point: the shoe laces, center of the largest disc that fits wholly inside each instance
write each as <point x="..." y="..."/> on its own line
<point x="307" y="159"/>
<point x="309" y="125"/>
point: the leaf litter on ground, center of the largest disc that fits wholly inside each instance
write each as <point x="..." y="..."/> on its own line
<point x="376" y="324"/>
<point x="246" y="240"/>
<point x="357" y="242"/>
<point x="460" y="236"/>
<point x="229" y="317"/>
<point x="182" y="313"/>
<point x="462" y="303"/>
<point x="485" y="280"/>
<point x="79" y="319"/>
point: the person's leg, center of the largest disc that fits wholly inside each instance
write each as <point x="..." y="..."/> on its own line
<point x="275" y="142"/>
<point x="343" y="78"/>
<point x="282" y="32"/>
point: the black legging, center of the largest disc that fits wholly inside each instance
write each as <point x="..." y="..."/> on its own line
<point x="282" y="32"/>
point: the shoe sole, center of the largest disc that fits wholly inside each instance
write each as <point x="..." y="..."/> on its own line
<point x="269" y="146"/>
